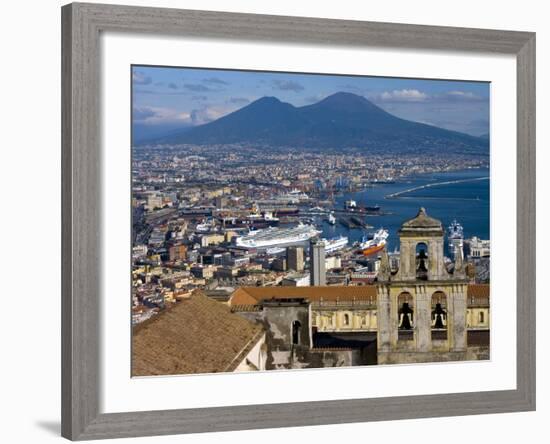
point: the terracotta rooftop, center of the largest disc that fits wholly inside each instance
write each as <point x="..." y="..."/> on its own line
<point x="196" y="335"/>
<point x="249" y="296"/>
<point x="478" y="294"/>
<point x="254" y="295"/>
<point x="478" y="290"/>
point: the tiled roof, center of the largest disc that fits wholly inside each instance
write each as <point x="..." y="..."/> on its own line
<point x="254" y="295"/>
<point x="479" y="290"/>
<point x="196" y="335"/>
<point x="478" y="295"/>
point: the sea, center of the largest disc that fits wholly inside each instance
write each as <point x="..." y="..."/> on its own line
<point x="463" y="196"/>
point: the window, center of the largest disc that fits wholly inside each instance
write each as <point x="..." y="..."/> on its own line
<point x="405" y="311"/>
<point x="481" y="317"/>
<point x="346" y="319"/>
<point x="422" y="261"/>
<point x="439" y="316"/>
<point x="296" y="327"/>
<point x="439" y="310"/>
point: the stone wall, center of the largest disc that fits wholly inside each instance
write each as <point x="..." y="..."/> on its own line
<point x="282" y="352"/>
<point x="418" y="345"/>
<point x="413" y="357"/>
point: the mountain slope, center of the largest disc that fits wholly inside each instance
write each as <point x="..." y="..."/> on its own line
<point x="265" y="119"/>
<point x="342" y="120"/>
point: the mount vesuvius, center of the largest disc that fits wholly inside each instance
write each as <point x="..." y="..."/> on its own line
<point x="341" y="120"/>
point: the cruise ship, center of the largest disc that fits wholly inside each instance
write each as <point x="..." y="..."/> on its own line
<point x="277" y="237"/>
<point x="376" y="244"/>
<point x="332" y="245"/>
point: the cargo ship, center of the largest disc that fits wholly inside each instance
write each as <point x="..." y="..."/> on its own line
<point x="376" y="244"/>
<point x="277" y="237"/>
<point x="372" y="208"/>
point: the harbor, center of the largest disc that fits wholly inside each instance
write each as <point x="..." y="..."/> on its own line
<point x="359" y="213"/>
<point x="441" y="192"/>
<point x="296" y="233"/>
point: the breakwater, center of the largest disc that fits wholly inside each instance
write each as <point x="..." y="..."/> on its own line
<point x="430" y="185"/>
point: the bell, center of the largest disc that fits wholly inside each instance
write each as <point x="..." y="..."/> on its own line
<point x="439" y="312"/>
<point x="406" y="320"/>
<point x="422" y="261"/>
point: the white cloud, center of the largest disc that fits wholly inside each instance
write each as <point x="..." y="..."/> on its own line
<point x="149" y="115"/>
<point x="154" y="115"/>
<point x="404" y="96"/>
<point x="287" y="85"/>
<point x="207" y="114"/>
<point x="466" y="96"/>
<point x="461" y="93"/>
<point x="141" y="79"/>
<point x="409" y="95"/>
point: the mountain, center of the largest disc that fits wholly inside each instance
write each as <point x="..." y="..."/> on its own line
<point x="267" y="120"/>
<point x="342" y="120"/>
<point x="143" y="133"/>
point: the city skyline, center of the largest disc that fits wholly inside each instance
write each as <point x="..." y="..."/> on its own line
<point x="166" y="99"/>
<point x="323" y="221"/>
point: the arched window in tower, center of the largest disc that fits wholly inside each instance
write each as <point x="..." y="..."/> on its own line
<point x="296" y="327"/>
<point x="405" y="311"/>
<point x="422" y="261"/>
<point x="439" y="315"/>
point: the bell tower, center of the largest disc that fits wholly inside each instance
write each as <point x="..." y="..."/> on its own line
<point x="422" y="305"/>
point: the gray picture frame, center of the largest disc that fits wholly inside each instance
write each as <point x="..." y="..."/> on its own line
<point x="81" y="231"/>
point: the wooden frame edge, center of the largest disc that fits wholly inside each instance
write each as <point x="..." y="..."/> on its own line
<point x="526" y="220"/>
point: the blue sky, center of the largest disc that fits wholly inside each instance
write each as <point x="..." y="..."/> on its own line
<point x="166" y="99"/>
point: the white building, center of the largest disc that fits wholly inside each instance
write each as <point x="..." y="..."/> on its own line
<point x="479" y="247"/>
<point x="296" y="280"/>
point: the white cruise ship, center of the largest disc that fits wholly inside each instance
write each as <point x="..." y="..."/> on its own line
<point x="332" y="245"/>
<point x="277" y="237"/>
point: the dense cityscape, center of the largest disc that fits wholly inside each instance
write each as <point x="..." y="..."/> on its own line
<point x="195" y="207"/>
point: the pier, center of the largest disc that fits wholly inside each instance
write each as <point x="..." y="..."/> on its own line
<point x="430" y="185"/>
<point x="354" y="222"/>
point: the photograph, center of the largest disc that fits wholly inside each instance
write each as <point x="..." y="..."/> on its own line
<point x="295" y="221"/>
